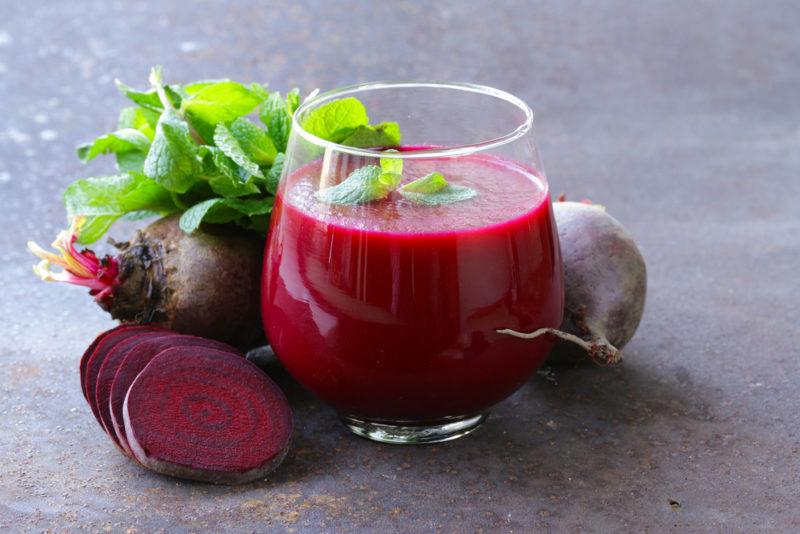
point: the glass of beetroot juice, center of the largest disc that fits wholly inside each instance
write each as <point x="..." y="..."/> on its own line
<point x="389" y="271"/>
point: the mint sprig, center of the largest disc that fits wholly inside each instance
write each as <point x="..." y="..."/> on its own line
<point x="191" y="148"/>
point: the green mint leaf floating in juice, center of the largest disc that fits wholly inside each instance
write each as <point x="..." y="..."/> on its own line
<point x="173" y="158"/>
<point x="363" y="185"/>
<point x="434" y="189"/>
<point x="336" y="120"/>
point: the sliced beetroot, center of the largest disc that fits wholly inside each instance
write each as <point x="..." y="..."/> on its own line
<point x="95" y="360"/>
<point x="207" y="415"/>
<point x="134" y="360"/>
<point x="108" y="369"/>
<point x="88" y="353"/>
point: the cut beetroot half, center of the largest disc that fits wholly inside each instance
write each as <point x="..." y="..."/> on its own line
<point x="134" y="360"/>
<point x="108" y="369"/>
<point x="207" y="415"/>
<point x="95" y="361"/>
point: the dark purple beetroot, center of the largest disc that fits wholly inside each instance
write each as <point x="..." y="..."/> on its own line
<point x="108" y="369"/>
<point x="95" y="360"/>
<point x="88" y="354"/>
<point x="206" y="415"/>
<point x="132" y="364"/>
<point x="605" y="284"/>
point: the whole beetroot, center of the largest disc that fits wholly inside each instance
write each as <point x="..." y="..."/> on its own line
<point x="605" y="283"/>
<point x="205" y="284"/>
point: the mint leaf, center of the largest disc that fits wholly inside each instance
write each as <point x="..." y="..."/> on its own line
<point x="254" y="141"/>
<point x="293" y="100"/>
<point x="223" y="210"/>
<point x="364" y="184"/>
<point x="434" y="189"/>
<point x="130" y="145"/>
<point x="173" y="157"/>
<point x="149" y="99"/>
<point x="191" y="218"/>
<point x="385" y="134"/>
<point x="105" y="199"/>
<point x="431" y="183"/>
<point x="276" y="114"/>
<point x="218" y="102"/>
<point x="215" y="161"/>
<point x="138" y="118"/>
<point x="228" y="187"/>
<point x="274" y="174"/>
<point x="336" y="120"/>
<point x="225" y="141"/>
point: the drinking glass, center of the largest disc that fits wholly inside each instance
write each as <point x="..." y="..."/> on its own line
<point x="387" y="308"/>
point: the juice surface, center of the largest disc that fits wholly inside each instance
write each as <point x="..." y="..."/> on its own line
<point x="388" y="310"/>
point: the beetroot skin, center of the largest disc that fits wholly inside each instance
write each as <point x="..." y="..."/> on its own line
<point x="205" y="284"/>
<point x="206" y="415"/>
<point x="605" y="283"/>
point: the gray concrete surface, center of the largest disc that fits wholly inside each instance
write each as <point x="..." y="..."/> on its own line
<point x="683" y="118"/>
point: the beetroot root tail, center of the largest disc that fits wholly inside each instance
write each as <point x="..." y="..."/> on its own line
<point x="599" y="350"/>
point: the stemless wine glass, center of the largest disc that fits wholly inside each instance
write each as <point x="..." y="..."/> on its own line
<point x="385" y="299"/>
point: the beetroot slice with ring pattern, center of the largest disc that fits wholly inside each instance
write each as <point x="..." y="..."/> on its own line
<point x="88" y="353"/>
<point x="95" y="361"/>
<point x="207" y="415"/>
<point x="134" y="360"/>
<point x="108" y="369"/>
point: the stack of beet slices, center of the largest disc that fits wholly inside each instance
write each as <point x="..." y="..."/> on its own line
<point x="186" y="406"/>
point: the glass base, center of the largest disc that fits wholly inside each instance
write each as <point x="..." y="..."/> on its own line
<point x="399" y="434"/>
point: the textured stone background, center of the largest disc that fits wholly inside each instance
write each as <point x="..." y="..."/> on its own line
<point x="683" y="118"/>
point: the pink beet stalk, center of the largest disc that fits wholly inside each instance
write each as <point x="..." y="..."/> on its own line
<point x="81" y="268"/>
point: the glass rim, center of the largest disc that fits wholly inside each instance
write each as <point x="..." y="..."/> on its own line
<point x="451" y="151"/>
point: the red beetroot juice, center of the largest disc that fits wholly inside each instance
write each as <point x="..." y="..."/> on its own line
<point x="388" y="310"/>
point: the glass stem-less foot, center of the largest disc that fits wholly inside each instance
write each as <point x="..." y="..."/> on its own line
<point x="406" y="434"/>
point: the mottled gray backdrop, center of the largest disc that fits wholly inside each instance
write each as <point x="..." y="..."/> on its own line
<point x="682" y="117"/>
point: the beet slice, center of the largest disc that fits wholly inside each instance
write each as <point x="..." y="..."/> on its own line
<point x="95" y="361"/>
<point x="134" y="360"/>
<point x="105" y="376"/>
<point x="88" y="353"/>
<point x="207" y="415"/>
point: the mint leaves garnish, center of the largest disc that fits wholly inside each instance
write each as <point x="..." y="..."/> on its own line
<point x="434" y="189"/>
<point x="374" y="182"/>
<point x="191" y="148"/>
<point x="364" y="184"/>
